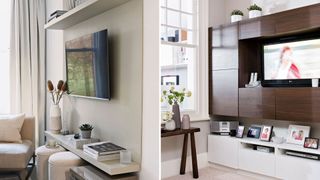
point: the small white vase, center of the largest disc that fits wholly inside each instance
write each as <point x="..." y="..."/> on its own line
<point x="235" y="18"/>
<point x="55" y="124"/>
<point x="254" y="13"/>
<point x="170" y="125"/>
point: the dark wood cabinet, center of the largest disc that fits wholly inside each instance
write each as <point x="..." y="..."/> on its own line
<point x="224" y="47"/>
<point x="257" y="103"/>
<point x="298" y="104"/>
<point x="296" y="20"/>
<point x="224" y="89"/>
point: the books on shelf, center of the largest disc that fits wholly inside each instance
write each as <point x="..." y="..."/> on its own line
<point x="103" y="151"/>
<point x="103" y="148"/>
<point x="102" y="157"/>
<point x="56" y="14"/>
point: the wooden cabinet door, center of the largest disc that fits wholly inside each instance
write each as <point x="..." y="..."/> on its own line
<point x="224" y="48"/>
<point x="257" y="103"/>
<point x="224" y="93"/>
<point x="298" y="104"/>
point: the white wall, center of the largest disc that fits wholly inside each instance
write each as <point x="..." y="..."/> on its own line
<point x="150" y="169"/>
<point x="274" y="6"/>
<point x="118" y="120"/>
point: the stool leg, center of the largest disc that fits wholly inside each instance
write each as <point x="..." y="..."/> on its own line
<point x="184" y="155"/>
<point x="194" y="157"/>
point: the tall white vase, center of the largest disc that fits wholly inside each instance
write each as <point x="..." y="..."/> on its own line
<point x="55" y="124"/>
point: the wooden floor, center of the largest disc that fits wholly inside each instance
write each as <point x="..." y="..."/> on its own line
<point x="211" y="173"/>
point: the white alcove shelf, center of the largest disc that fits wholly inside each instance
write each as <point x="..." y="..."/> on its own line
<point x="82" y="12"/>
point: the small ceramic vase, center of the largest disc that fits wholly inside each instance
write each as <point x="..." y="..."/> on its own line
<point x="235" y="18"/>
<point x="55" y="124"/>
<point x="185" y="121"/>
<point x="170" y="125"/>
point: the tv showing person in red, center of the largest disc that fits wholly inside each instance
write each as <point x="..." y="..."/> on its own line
<point x="287" y="68"/>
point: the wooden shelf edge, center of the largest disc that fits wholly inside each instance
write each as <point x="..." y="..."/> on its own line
<point x="82" y="12"/>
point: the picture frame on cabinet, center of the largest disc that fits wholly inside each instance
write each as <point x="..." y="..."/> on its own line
<point x="254" y="132"/>
<point x="297" y="134"/>
<point x="266" y="133"/>
<point x="240" y="131"/>
<point x="311" y="143"/>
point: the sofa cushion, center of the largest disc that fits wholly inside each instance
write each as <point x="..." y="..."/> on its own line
<point x="15" y="156"/>
<point x="12" y="120"/>
<point x="10" y="134"/>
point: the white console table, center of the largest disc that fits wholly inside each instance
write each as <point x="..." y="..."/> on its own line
<point x="113" y="167"/>
<point x="238" y="153"/>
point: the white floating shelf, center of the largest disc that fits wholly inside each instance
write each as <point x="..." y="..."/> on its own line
<point x="113" y="167"/>
<point x="82" y="12"/>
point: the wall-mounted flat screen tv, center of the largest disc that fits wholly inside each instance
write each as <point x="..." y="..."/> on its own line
<point x="87" y="60"/>
<point x="291" y="62"/>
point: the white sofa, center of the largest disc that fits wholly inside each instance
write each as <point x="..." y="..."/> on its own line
<point x="15" y="157"/>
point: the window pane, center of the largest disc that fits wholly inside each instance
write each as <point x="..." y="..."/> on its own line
<point x="167" y="55"/>
<point x="173" y="18"/>
<point x="174" y="4"/>
<point x="186" y="21"/>
<point x="184" y="70"/>
<point x="186" y="5"/>
<point x="163" y="16"/>
<point x="163" y="3"/>
<point x="190" y="38"/>
<point x="163" y="33"/>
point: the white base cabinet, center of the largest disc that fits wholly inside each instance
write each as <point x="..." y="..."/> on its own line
<point x="223" y="150"/>
<point x="239" y="154"/>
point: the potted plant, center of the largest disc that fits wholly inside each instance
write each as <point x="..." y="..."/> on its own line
<point x="254" y="11"/>
<point x="236" y="15"/>
<point x="174" y="97"/>
<point x="86" y="131"/>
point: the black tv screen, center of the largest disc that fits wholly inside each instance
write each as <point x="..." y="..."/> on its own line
<point x="294" y="61"/>
<point x="87" y="62"/>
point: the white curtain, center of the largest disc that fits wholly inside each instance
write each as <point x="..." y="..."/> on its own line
<point x="27" y="61"/>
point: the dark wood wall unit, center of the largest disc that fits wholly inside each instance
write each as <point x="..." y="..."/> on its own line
<point x="257" y="103"/>
<point x="298" y="104"/>
<point x="224" y="47"/>
<point x="224" y="87"/>
<point x="298" y="20"/>
<point x="249" y="60"/>
<point x="235" y="52"/>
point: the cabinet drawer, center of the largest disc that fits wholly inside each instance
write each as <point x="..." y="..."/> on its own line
<point x="255" y="161"/>
<point x="223" y="150"/>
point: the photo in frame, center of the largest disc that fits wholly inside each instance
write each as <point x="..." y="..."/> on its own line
<point x="254" y="132"/>
<point x="266" y="133"/>
<point x="297" y="134"/>
<point x="240" y="132"/>
<point x="312" y="143"/>
<point x="170" y="80"/>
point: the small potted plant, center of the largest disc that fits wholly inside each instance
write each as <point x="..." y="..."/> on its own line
<point x="86" y="131"/>
<point x="254" y="11"/>
<point x="236" y="15"/>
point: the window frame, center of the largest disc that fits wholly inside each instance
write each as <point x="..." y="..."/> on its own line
<point x="200" y="25"/>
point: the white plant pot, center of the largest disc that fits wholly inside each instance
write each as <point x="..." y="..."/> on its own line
<point x="55" y="124"/>
<point x="235" y="18"/>
<point x="170" y="125"/>
<point x="254" y="13"/>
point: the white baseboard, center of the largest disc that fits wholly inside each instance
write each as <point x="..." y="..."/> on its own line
<point x="172" y="167"/>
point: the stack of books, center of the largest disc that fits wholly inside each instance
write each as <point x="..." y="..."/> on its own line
<point x="56" y="14"/>
<point x="103" y="151"/>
